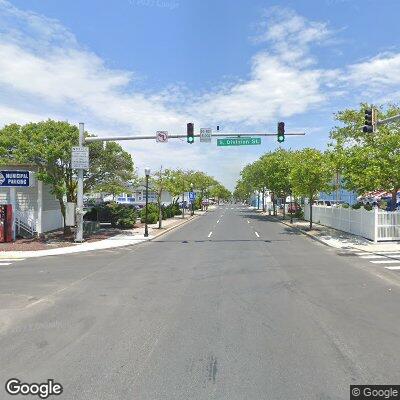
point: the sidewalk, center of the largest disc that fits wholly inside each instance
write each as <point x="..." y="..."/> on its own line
<point x="335" y="238"/>
<point x="128" y="238"/>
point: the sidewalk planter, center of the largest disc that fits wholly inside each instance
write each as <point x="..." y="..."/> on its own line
<point x="377" y="225"/>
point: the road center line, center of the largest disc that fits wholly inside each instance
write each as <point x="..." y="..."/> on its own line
<point x="210" y="234"/>
<point x="257" y="234"/>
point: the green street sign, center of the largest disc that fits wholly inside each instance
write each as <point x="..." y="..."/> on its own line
<point x="244" y="141"/>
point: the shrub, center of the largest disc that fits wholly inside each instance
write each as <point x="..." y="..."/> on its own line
<point x="368" y="207"/>
<point x="91" y="215"/>
<point x="152" y="213"/>
<point x="169" y="211"/>
<point x="356" y="206"/>
<point x="383" y="204"/>
<point x="126" y="223"/>
<point x="345" y="205"/>
<point x="122" y="216"/>
<point x="175" y="209"/>
<point x="99" y="213"/>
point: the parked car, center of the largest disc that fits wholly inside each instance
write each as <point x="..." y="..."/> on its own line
<point x="293" y="208"/>
<point x="326" y="203"/>
<point x="337" y="203"/>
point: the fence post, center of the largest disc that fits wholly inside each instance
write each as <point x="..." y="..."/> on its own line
<point x="376" y="224"/>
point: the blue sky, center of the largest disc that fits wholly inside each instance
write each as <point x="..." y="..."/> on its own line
<point x="137" y="66"/>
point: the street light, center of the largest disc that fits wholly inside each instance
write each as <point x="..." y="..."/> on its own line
<point x="147" y="173"/>
<point x="191" y="189"/>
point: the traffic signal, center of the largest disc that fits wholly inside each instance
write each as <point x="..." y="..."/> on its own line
<point x="368" y="123"/>
<point x="281" y="132"/>
<point x="190" y="133"/>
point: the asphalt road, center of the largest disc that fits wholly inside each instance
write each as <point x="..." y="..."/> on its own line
<point x="230" y="306"/>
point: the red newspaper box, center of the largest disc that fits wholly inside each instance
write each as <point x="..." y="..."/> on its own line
<point x="6" y="228"/>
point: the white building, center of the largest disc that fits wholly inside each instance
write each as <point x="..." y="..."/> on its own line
<point x="137" y="196"/>
<point x="37" y="210"/>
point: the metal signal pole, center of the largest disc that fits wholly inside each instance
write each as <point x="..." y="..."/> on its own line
<point x="79" y="194"/>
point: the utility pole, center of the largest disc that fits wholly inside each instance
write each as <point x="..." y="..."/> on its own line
<point x="146" y="229"/>
<point x="192" y="202"/>
<point x="183" y="205"/>
<point x="79" y="205"/>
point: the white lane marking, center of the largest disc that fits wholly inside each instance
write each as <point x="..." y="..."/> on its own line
<point x="388" y="253"/>
<point x="386" y="262"/>
<point x="393" y="268"/>
<point x="218" y="222"/>
<point x="257" y="234"/>
<point x="248" y="222"/>
<point x="11" y="259"/>
<point x="4" y="263"/>
<point x="377" y="256"/>
<point x="209" y="234"/>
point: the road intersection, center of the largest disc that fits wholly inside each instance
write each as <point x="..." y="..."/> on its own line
<point x="232" y="305"/>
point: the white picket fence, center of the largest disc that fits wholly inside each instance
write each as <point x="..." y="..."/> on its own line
<point x="376" y="225"/>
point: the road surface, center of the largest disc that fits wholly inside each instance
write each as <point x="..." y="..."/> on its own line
<point x="230" y="306"/>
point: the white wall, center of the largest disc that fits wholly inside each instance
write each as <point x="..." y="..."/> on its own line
<point x="51" y="220"/>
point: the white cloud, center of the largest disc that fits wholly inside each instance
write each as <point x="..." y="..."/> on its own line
<point x="282" y="81"/>
<point x="291" y="35"/>
<point x="274" y="89"/>
<point x="380" y="71"/>
<point x="43" y="67"/>
<point x="45" y="72"/>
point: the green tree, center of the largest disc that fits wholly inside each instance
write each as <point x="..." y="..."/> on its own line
<point x="242" y="191"/>
<point x="369" y="161"/>
<point x="111" y="169"/>
<point x="178" y="183"/>
<point x="276" y="167"/>
<point x="220" y="192"/>
<point x="203" y="183"/>
<point x="311" y="173"/>
<point x="160" y="182"/>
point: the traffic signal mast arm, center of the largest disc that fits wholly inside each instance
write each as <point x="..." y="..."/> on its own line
<point x="178" y="136"/>
<point x="388" y="120"/>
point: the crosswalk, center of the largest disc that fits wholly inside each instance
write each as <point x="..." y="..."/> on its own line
<point x="5" y="262"/>
<point x="388" y="259"/>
